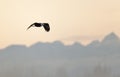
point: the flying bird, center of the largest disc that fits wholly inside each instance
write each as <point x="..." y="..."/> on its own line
<point x="45" y="25"/>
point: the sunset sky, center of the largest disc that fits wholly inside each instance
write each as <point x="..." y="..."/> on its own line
<point x="70" y="20"/>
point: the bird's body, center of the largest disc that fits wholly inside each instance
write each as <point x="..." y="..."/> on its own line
<point x="38" y="24"/>
<point x="45" y="25"/>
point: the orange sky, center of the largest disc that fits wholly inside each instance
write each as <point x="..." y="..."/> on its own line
<point x="70" y="20"/>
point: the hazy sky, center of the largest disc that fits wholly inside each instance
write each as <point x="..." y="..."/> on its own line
<point x="70" y="20"/>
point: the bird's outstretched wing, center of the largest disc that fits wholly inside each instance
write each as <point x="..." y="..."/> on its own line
<point x="30" y="26"/>
<point x="46" y="27"/>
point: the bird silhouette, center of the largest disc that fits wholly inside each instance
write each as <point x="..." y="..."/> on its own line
<point x="45" y="25"/>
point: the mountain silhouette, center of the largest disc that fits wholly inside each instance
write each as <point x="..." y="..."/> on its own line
<point x="39" y="58"/>
<point x="111" y="37"/>
<point x="110" y="44"/>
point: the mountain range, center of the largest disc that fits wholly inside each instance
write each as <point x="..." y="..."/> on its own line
<point x="57" y="50"/>
<point x="56" y="59"/>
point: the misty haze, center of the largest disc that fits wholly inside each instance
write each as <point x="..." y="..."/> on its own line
<point x="97" y="59"/>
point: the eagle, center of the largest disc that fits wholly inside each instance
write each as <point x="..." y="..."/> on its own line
<point x="45" y="25"/>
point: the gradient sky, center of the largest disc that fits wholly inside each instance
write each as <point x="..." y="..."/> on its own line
<point x="70" y="20"/>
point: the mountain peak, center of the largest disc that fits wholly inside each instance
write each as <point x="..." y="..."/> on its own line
<point x="57" y="43"/>
<point x="94" y="43"/>
<point x="77" y="44"/>
<point x="111" y="37"/>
